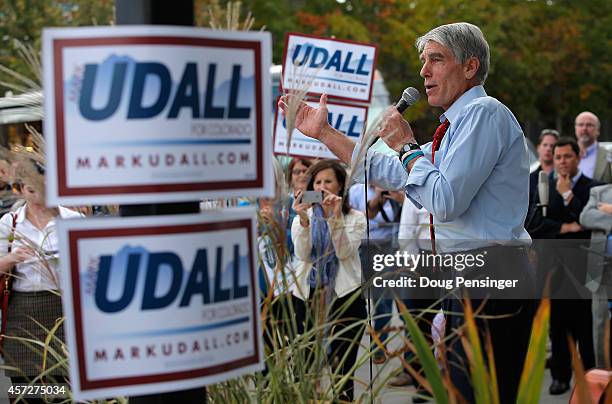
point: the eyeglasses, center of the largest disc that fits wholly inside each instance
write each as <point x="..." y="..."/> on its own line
<point x="297" y="171"/>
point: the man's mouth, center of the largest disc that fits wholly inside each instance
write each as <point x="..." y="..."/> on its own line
<point x="429" y="87"/>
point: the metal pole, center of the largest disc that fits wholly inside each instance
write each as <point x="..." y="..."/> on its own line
<point x="159" y="12"/>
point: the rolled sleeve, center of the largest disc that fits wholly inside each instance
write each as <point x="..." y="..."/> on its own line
<point x="384" y="170"/>
<point x="593" y="218"/>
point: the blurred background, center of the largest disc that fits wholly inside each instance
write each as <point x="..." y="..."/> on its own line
<point x="550" y="59"/>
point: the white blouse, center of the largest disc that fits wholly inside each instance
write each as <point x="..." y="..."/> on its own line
<point x="41" y="272"/>
<point x="346" y="232"/>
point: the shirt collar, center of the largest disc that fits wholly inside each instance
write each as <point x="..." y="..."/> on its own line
<point x="453" y="111"/>
<point x="575" y="178"/>
<point x="21" y="213"/>
<point x="591" y="149"/>
<point x="63" y="213"/>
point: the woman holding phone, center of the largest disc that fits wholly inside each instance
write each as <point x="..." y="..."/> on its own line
<point x="326" y="237"/>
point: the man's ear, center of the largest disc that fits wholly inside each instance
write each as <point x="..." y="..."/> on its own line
<point x="470" y="67"/>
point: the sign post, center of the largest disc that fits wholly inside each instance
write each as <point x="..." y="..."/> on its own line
<point x="182" y="13"/>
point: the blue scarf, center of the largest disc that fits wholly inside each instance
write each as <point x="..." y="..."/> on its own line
<point x="323" y="255"/>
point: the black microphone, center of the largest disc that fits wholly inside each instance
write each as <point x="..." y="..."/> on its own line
<point x="409" y="97"/>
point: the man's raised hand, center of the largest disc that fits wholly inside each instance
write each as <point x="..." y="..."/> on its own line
<point x="312" y="122"/>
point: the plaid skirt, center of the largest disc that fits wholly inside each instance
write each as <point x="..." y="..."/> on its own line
<point x="32" y="315"/>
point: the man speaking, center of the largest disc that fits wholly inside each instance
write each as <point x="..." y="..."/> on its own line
<point x="473" y="179"/>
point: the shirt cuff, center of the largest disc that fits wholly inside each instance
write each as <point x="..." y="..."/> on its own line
<point x="420" y="172"/>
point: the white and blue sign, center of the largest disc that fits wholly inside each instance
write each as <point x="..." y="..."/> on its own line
<point x="338" y="68"/>
<point x="348" y="119"/>
<point x="161" y="303"/>
<point x="156" y="114"/>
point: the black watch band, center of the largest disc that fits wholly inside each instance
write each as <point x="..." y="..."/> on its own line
<point x="407" y="149"/>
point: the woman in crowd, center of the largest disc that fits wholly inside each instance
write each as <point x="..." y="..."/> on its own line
<point x="29" y="250"/>
<point x="297" y="174"/>
<point x="326" y="237"/>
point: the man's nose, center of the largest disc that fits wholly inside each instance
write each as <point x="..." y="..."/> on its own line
<point x="425" y="71"/>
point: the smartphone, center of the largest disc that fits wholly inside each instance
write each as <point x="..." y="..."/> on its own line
<point x="312" y="197"/>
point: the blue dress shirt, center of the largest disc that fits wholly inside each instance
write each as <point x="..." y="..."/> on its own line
<point x="478" y="187"/>
<point x="588" y="161"/>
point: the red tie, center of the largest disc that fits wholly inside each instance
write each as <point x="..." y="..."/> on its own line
<point x="437" y="139"/>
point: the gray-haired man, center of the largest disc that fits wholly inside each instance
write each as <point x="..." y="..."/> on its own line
<point x="473" y="178"/>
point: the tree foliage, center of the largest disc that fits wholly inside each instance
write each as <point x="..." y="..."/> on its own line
<point x="550" y="59"/>
<point x="23" y="20"/>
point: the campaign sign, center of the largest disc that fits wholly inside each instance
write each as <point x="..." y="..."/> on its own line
<point x="161" y="303"/>
<point x="348" y="119"/>
<point x="156" y="114"/>
<point x="338" y="68"/>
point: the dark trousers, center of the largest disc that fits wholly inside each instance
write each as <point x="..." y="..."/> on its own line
<point x="278" y="325"/>
<point x="510" y="339"/>
<point x="344" y="347"/>
<point x="508" y="322"/>
<point x="573" y="318"/>
<point x="424" y="320"/>
<point x="278" y="328"/>
<point x="183" y="396"/>
<point x="383" y="308"/>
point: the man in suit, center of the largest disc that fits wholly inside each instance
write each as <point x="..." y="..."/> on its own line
<point x="569" y="192"/>
<point x="597" y="216"/>
<point x="593" y="156"/>
<point x="544" y="148"/>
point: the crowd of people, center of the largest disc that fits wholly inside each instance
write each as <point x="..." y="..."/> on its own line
<point x="578" y="219"/>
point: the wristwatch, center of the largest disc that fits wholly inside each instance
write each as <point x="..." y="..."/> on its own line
<point x="408" y="149"/>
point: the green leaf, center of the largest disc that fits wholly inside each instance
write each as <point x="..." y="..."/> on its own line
<point x="433" y="375"/>
<point x="533" y="370"/>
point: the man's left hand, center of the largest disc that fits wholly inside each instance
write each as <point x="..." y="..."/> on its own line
<point x="394" y="130"/>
